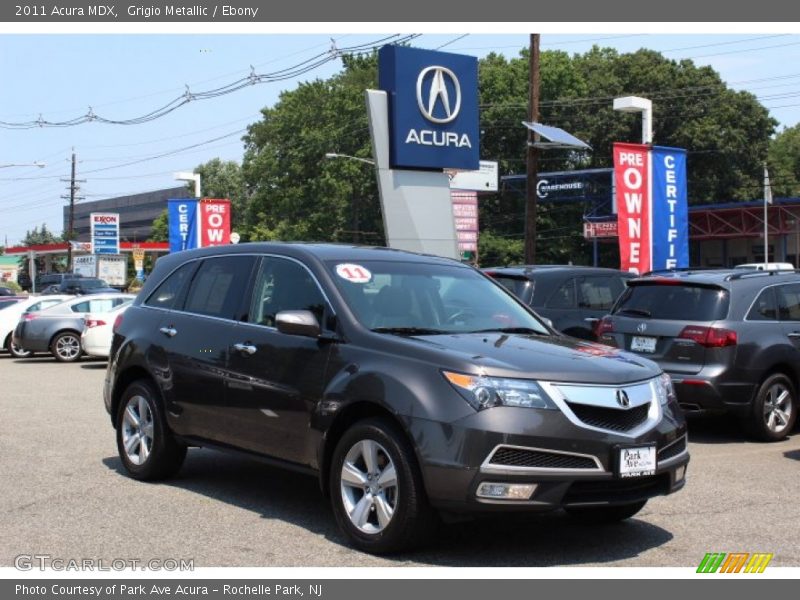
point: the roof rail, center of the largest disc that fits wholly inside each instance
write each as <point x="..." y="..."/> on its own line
<point x="682" y="270"/>
<point x="755" y="273"/>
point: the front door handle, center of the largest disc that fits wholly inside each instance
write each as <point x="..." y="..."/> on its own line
<point x="169" y="331"/>
<point x="246" y="348"/>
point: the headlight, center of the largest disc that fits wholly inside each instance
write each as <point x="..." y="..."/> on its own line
<point x="486" y="392"/>
<point x="664" y="389"/>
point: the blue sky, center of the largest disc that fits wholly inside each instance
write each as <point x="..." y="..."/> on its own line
<point x="123" y="76"/>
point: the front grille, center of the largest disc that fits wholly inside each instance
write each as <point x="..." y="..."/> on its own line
<point x="617" y="490"/>
<point x="674" y="449"/>
<point x="613" y="419"/>
<point x="524" y="457"/>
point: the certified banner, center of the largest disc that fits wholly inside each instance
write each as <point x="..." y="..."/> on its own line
<point x="631" y="174"/>
<point x="669" y="209"/>
<point x="183" y="232"/>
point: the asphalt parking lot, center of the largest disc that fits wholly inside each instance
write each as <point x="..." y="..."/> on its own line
<point x="64" y="494"/>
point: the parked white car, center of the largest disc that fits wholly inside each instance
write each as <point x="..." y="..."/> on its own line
<point x="10" y="316"/>
<point x="98" y="331"/>
<point x="774" y="266"/>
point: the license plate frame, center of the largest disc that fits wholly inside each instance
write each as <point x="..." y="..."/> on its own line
<point x="644" y="344"/>
<point x="636" y="461"/>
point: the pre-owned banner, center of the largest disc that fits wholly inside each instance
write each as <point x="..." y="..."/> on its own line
<point x="215" y="222"/>
<point x="183" y="232"/>
<point x="631" y="174"/>
<point x="670" y="211"/>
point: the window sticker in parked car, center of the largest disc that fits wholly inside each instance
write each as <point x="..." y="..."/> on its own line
<point x="353" y="273"/>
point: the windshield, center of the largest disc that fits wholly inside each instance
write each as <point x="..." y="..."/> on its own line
<point x="425" y="299"/>
<point x="673" y="302"/>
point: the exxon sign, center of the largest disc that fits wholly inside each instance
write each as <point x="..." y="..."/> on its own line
<point x="433" y="108"/>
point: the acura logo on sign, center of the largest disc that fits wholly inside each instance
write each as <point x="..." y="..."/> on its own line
<point x="622" y="399"/>
<point x="438" y="95"/>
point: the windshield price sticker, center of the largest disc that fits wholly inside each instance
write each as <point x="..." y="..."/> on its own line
<point x="353" y="273"/>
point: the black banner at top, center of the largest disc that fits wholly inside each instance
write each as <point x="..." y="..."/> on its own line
<point x="452" y="11"/>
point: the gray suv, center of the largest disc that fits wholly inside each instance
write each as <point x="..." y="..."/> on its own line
<point x="729" y="339"/>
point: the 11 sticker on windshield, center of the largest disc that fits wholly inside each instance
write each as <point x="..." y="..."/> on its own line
<point x="353" y="273"/>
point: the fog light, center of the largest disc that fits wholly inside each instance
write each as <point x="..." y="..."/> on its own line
<point x="680" y="473"/>
<point x="506" y="491"/>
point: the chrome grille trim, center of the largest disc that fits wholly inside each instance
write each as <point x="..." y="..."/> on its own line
<point x="489" y="467"/>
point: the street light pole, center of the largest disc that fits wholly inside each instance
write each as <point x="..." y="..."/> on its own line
<point x="353" y="200"/>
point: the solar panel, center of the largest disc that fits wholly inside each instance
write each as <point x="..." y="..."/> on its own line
<point x="554" y="137"/>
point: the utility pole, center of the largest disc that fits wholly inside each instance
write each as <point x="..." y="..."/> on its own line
<point x="532" y="161"/>
<point x="73" y="187"/>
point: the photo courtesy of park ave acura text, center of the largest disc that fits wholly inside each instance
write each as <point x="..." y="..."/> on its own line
<point x="442" y="299"/>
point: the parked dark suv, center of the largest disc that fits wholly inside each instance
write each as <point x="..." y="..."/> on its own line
<point x="406" y="383"/>
<point x="729" y="339"/>
<point x="573" y="298"/>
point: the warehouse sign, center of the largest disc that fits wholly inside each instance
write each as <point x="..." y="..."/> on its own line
<point x="652" y="213"/>
<point x="105" y="233"/>
<point x="433" y="108"/>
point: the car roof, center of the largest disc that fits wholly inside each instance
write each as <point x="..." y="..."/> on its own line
<point x="720" y="277"/>
<point x="555" y="269"/>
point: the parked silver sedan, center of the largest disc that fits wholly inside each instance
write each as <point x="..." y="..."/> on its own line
<point x="58" y="329"/>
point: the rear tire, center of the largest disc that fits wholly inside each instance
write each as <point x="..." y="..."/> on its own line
<point x="774" y="409"/>
<point x="376" y="489"/>
<point x="15" y="350"/>
<point x="66" y="347"/>
<point x="146" y="446"/>
<point x="605" y="514"/>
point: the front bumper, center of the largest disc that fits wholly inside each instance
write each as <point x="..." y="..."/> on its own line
<point x="580" y="464"/>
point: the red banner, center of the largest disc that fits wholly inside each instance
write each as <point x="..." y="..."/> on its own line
<point x="215" y="222"/>
<point x="631" y="175"/>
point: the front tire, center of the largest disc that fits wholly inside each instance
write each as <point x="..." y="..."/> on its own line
<point x="605" y="514"/>
<point x="376" y="489"/>
<point x="66" y="347"/>
<point x="15" y="350"/>
<point x="146" y="446"/>
<point x="774" y="409"/>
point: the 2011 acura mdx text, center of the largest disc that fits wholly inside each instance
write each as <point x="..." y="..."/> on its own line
<point x="410" y="385"/>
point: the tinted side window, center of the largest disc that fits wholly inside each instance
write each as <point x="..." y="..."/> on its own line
<point x="80" y="307"/>
<point x="564" y="296"/>
<point x="764" y="308"/>
<point x="284" y="285"/>
<point x="521" y="287"/>
<point x="599" y="292"/>
<point x="165" y="294"/>
<point x="219" y="285"/>
<point x="789" y="302"/>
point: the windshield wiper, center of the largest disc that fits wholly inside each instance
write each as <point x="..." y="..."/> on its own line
<point x="511" y="330"/>
<point x="409" y="330"/>
<point x="634" y="311"/>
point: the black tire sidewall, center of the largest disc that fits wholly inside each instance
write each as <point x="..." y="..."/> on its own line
<point x="165" y="452"/>
<point x="411" y="501"/>
<point x="757" y="423"/>
<point x="54" y="344"/>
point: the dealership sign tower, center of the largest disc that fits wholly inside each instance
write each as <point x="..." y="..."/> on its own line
<point x="424" y="119"/>
<point x="652" y="212"/>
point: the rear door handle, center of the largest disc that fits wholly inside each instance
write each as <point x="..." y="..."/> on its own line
<point x="246" y="348"/>
<point x="169" y="331"/>
<point x="794" y="334"/>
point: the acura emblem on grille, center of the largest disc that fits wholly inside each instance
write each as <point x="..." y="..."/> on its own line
<point x="622" y="399"/>
<point x="641" y="327"/>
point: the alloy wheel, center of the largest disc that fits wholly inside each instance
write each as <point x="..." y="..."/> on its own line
<point x="369" y="486"/>
<point x="778" y="408"/>
<point x="68" y="347"/>
<point x="137" y="430"/>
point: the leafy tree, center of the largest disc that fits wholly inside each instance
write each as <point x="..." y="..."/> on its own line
<point x="784" y="163"/>
<point x="160" y="231"/>
<point x="37" y="236"/>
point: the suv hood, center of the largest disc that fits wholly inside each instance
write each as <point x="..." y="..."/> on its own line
<point x="551" y="358"/>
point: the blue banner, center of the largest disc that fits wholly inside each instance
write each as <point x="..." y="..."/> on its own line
<point x="183" y="231"/>
<point x="433" y="108"/>
<point x="670" y="212"/>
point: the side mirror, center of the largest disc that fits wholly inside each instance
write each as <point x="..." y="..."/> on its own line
<point x="298" y="322"/>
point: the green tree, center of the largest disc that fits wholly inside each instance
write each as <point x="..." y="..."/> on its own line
<point x="784" y="163"/>
<point x="37" y="236"/>
<point x="160" y="231"/>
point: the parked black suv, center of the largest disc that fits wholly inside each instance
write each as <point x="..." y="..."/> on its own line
<point x="729" y="339"/>
<point x="573" y="298"/>
<point x="406" y="383"/>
